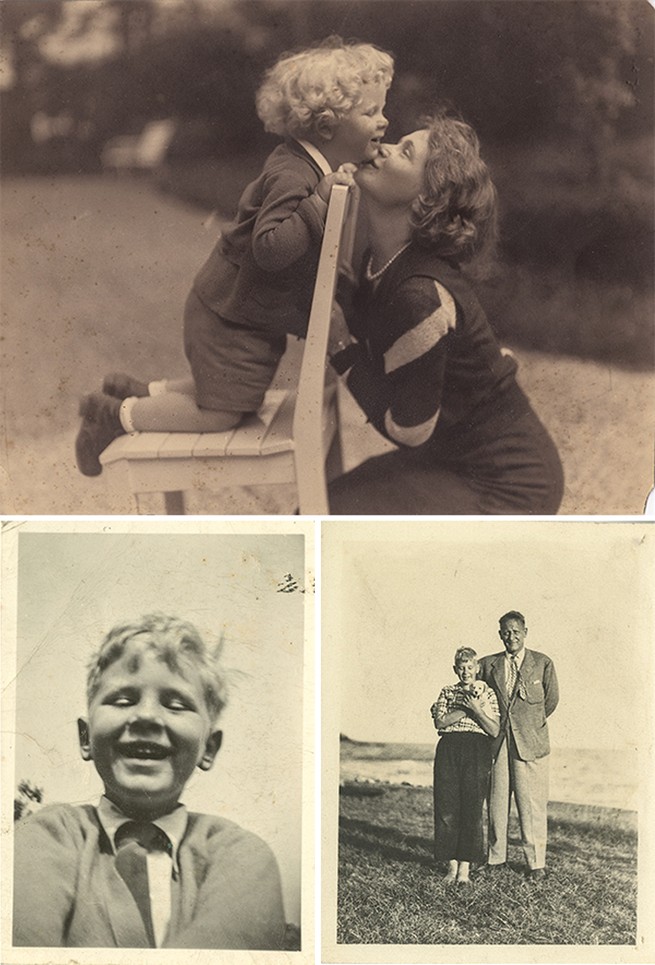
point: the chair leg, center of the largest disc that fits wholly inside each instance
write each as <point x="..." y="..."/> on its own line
<point x="174" y="503"/>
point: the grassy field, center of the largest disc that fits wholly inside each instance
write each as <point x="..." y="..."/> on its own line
<point x="391" y="892"/>
<point x="95" y="272"/>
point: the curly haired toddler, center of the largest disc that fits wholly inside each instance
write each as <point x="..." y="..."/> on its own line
<point x="327" y="103"/>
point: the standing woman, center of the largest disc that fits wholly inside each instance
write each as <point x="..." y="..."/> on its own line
<point x="421" y="358"/>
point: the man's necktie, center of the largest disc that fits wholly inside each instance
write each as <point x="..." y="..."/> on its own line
<point x="512" y="677"/>
<point x="133" y="842"/>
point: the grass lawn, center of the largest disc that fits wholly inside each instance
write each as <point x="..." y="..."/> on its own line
<point x="391" y="892"/>
<point x="95" y="272"/>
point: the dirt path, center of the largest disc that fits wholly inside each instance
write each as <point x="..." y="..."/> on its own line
<point x="600" y="418"/>
<point x="95" y="273"/>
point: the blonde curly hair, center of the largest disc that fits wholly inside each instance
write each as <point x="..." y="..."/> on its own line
<point x="322" y="83"/>
<point x="177" y="642"/>
<point x="456" y="212"/>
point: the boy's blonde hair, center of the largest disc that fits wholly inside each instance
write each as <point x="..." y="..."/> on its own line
<point x="464" y="653"/>
<point x="177" y="642"/>
<point x="323" y="83"/>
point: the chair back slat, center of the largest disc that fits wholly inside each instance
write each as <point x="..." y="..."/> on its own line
<point x="308" y="416"/>
<point x="349" y="233"/>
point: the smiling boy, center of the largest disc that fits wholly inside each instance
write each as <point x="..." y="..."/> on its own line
<point x="465" y="716"/>
<point x="139" y="870"/>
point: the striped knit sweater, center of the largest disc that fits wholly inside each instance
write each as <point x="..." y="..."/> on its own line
<point x="425" y="359"/>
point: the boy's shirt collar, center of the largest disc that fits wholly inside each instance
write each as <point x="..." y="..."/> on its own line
<point x="316" y="155"/>
<point x="172" y="824"/>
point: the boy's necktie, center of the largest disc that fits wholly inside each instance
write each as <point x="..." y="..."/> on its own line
<point x="134" y="840"/>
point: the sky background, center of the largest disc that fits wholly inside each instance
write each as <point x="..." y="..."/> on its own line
<point x="410" y="594"/>
<point x="72" y="587"/>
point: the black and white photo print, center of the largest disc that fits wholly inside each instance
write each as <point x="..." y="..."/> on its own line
<point x="487" y="741"/>
<point x="157" y="690"/>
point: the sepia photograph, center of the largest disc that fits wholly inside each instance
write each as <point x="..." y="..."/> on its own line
<point x="157" y="708"/>
<point x="186" y="184"/>
<point x="487" y="741"/>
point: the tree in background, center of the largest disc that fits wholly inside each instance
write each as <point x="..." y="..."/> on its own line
<point x="28" y="796"/>
<point x="22" y="28"/>
<point x="560" y="92"/>
<point x="518" y="71"/>
<point x="133" y="22"/>
<point x="24" y="25"/>
<point x="596" y="90"/>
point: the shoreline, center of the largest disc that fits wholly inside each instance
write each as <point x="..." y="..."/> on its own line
<point x="578" y="777"/>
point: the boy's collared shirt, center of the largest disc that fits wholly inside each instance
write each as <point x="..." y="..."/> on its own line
<point x="161" y="866"/>
<point x="450" y="699"/>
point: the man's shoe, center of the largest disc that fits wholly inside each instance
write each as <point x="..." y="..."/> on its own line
<point x="101" y="424"/>
<point x="537" y="874"/>
<point x="122" y="386"/>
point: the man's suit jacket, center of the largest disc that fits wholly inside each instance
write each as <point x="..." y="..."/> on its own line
<point x="68" y="892"/>
<point x="525" y="716"/>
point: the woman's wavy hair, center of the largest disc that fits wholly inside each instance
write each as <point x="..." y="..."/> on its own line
<point x="176" y="642"/>
<point x="321" y="83"/>
<point x="456" y="212"/>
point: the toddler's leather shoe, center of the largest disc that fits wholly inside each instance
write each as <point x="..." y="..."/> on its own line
<point x="122" y="386"/>
<point x="101" y="424"/>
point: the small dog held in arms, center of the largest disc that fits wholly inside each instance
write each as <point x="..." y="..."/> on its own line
<point x="477" y="688"/>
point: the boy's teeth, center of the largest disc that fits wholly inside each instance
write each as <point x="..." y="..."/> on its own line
<point x="146" y="751"/>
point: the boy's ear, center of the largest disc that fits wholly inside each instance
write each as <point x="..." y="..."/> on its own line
<point x="212" y="748"/>
<point x="84" y="738"/>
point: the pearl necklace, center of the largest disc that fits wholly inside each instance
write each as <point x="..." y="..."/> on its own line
<point x="372" y="276"/>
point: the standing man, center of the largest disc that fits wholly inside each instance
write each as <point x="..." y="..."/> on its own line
<point x="526" y="686"/>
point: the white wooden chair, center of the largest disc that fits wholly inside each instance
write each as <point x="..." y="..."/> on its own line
<point x="294" y="438"/>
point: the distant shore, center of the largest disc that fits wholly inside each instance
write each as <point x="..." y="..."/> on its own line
<point x="605" y="778"/>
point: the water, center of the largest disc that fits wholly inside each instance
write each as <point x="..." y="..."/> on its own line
<point x="605" y="778"/>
